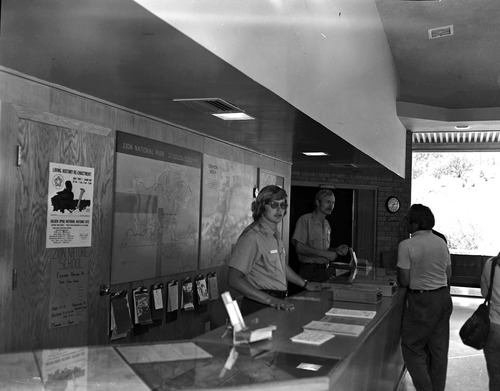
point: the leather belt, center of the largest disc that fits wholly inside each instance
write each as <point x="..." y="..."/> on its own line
<point x="276" y="293"/>
<point x="315" y="266"/>
<point x="425" y="291"/>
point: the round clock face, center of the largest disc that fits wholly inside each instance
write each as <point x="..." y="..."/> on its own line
<point x="392" y="204"/>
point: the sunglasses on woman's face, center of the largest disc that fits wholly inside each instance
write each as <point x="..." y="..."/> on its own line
<point x="273" y="204"/>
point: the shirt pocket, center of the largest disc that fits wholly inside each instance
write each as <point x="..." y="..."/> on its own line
<point x="274" y="262"/>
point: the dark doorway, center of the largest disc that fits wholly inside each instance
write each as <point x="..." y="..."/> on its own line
<point x="302" y="202"/>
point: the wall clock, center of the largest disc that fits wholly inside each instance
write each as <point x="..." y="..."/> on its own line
<point x="392" y="204"/>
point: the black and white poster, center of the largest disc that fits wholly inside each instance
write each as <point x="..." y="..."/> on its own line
<point x="69" y="209"/>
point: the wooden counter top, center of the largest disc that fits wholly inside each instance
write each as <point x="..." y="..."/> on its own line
<point x="371" y="361"/>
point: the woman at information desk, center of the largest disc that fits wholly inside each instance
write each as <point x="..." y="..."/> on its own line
<point x="258" y="268"/>
<point x="492" y="347"/>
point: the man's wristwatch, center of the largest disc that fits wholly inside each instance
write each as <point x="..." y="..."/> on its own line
<point x="305" y="284"/>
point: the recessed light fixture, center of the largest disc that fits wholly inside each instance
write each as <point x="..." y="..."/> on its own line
<point x="462" y="127"/>
<point x="233" y="116"/>
<point x="315" y="153"/>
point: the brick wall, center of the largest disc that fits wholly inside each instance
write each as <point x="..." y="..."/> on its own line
<point x="391" y="228"/>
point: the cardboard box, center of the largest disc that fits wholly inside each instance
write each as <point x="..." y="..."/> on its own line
<point x="369" y="294"/>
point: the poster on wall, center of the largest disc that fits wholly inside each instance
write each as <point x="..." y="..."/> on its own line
<point x="157" y="209"/>
<point x="226" y="207"/>
<point x="68" y="291"/>
<point x="69" y="209"/>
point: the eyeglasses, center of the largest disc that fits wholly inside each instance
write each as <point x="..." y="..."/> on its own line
<point x="273" y="204"/>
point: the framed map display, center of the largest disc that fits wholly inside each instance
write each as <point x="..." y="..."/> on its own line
<point x="226" y="207"/>
<point x="157" y="209"/>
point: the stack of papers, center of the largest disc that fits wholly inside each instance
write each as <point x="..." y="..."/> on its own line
<point x="312" y="337"/>
<point x="335" y="328"/>
<point x="351" y="313"/>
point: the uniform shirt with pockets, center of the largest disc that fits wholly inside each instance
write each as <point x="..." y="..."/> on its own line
<point x="260" y="255"/>
<point x="312" y="232"/>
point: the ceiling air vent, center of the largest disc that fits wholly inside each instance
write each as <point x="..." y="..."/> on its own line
<point x="210" y="105"/>
<point x="217" y="107"/>
<point x="440" y="32"/>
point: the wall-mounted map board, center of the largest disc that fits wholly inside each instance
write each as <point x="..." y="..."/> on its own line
<point x="157" y="209"/>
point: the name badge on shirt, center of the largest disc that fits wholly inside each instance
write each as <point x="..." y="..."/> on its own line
<point x="274" y="251"/>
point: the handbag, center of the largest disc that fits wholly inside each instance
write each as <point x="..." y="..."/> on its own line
<point x="475" y="330"/>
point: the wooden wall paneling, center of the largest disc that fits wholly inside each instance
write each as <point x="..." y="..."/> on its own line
<point x="70" y="104"/>
<point x="252" y="159"/>
<point x="143" y="126"/>
<point x="219" y="149"/>
<point x="8" y="156"/>
<point x="23" y="90"/>
<point x="41" y="144"/>
<point x="100" y="153"/>
<point x="60" y="121"/>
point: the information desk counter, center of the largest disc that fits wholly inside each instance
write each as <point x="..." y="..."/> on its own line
<point x="372" y="361"/>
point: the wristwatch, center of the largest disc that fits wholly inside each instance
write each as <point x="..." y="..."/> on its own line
<point x="305" y="284"/>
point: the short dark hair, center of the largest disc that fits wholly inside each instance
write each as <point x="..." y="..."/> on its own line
<point x="266" y="194"/>
<point x="422" y="216"/>
<point x="322" y="194"/>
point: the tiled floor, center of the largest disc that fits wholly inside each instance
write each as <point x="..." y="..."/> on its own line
<point x="466" y="366"/>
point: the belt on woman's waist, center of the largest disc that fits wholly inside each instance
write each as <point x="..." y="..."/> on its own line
<point x="315" y="266"/>
<point x="276" y="293"/>
<point x="425" y="291"/>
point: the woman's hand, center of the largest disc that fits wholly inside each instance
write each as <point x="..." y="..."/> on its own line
<point x="281" y="305"/>
<point x="313" y="286"/>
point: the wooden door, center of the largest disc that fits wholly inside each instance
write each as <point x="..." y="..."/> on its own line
<point x="42" y="143"/>
<point x="365" y="224"/>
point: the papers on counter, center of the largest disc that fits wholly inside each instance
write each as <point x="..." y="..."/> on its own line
<point x="312" y="337"/>
<point x="350" y="330"/>
<point x="351" y="313"/>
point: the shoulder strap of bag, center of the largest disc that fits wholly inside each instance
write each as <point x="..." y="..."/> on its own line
<point x="492" y="274"/>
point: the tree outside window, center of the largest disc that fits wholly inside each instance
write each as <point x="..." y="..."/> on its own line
<point x="463" y="191"/>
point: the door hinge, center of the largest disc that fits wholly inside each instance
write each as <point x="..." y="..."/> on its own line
<point x="14" y="279"/>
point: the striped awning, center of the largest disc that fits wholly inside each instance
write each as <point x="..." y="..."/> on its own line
<point x="456" y="141"/>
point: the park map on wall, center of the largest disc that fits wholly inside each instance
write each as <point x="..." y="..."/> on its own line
<point x="226" y="209"/>
<point x="157" y="209"/>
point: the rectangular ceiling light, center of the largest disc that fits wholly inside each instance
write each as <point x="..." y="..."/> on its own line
<point x="233" y="116"/>
<point x="315" y="153"/>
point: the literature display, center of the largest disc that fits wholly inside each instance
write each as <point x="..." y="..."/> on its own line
<point x="241" y="333"/>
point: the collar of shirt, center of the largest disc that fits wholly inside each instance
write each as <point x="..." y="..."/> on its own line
<point x="317" y="219"/>
<point x="267" y="229"/>
<point x="421" y="232"/>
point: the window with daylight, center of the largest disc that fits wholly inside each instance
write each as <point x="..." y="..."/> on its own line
<point x="463" y="191"/>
